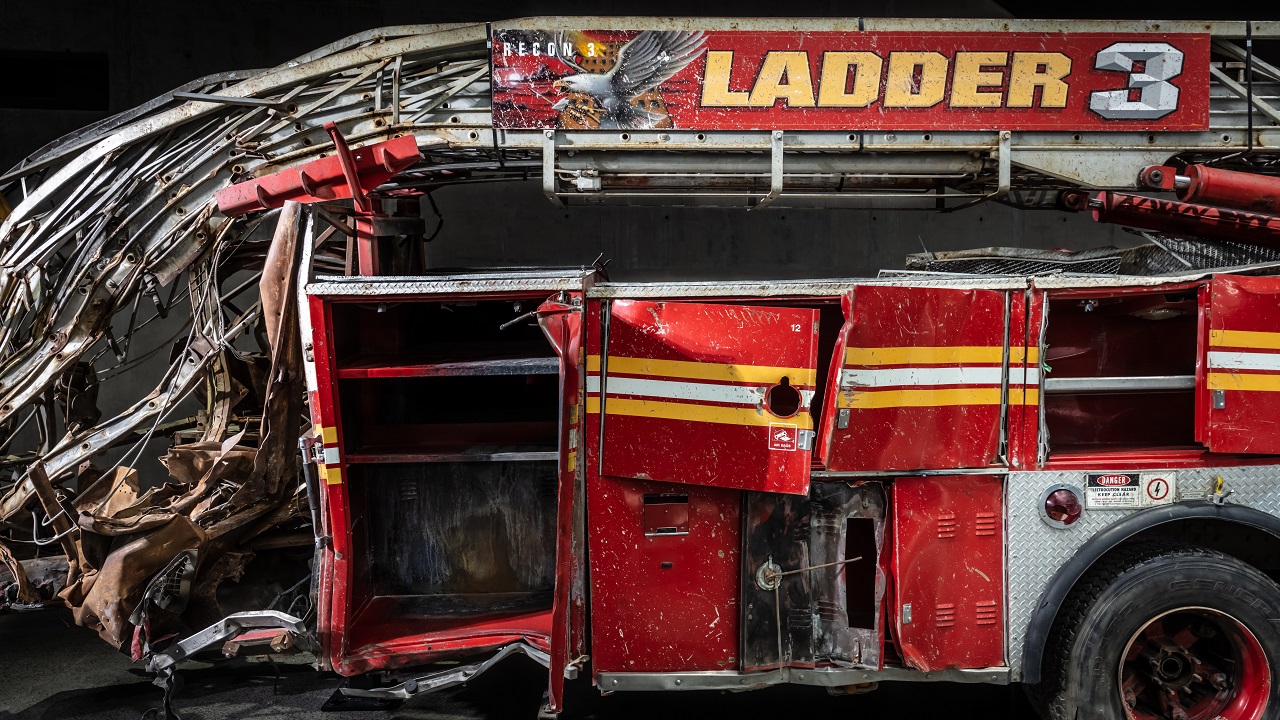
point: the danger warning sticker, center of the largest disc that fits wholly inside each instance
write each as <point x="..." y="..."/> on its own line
<point x="1124" y="491"/>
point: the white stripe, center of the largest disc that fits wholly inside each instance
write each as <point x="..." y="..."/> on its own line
<point x="1244" y="360"/>
<point x="901" y="377"/>
<point x="331" y="456"/>
<point x="681" y="390"/>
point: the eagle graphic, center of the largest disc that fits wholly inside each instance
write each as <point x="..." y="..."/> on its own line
<point x="644" y="62"/>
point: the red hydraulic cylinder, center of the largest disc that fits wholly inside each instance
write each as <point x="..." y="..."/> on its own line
<point x="1186" y="218"/>
<point x="1228" y="188"/>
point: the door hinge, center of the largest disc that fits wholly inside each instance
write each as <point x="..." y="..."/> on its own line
<point x="1219" y="399"/>
<point x="805" y="441"/>
<point x="842" y="419"/>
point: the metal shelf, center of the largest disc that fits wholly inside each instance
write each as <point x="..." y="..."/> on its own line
<point x="1145" y="383"/>
<point x="372" y="367"/>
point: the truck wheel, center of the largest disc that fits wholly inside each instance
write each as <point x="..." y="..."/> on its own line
<point x="1165" y="631"/>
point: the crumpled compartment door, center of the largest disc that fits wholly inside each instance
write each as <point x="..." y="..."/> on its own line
<point x="1240" y="382"/>
<point x="707" y="394"/>
<point x="917" y="380"/>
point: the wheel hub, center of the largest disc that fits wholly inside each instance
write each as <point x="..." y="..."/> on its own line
<point x="1194" y="664"/>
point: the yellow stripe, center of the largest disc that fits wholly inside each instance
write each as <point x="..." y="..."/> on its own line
<point x="327" y="435"/>
<point x="763" y="374"/>
<point x="573" y="460"/>
<point x="695" y="413"/>
<point x="872" y="399"/>
<point x="990" y="354"/>
<point x="1244" y="339"/>
<point x="1243" y="381"/>
<point x="332" y="474"/>
<point x="1030" y="355"/>
<point x="1017" y="396"/>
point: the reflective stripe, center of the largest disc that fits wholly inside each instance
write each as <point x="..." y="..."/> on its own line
<point x="1244" y="360"/>
<point x="331" y="456"/>
<point x="675" y="390"/>
<point x="949" y="355"/>
<point x="1019" y="396"/>
<point x="1245" y="339"/>
<point x="897" y="377"/>
<point x="1243" y="381"/>
<point x="694" y="413"/>
<point x="1019" y="355"/>
<point x="331" y="475"/>
<point x="762" y="374"/>
<point x="327" y="434"/>
<point x="875" y="399"/>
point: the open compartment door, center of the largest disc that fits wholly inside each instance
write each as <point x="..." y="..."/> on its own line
<point x="1240" y="381"/>
<point x="707" y="394"/>
<point x="922" y="377"/>
<point x="561" y="320"/>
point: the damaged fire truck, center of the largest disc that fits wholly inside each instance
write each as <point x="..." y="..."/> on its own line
<point x="1056" y="469"/>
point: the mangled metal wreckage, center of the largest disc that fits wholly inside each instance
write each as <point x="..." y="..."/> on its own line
<point x="691" y="485"/>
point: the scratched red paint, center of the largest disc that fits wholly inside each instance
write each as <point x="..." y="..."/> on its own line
<point x="664" y="602"/>
<point x="1243" y="364"/>
<point x="689" y="417"/>
<point x="949" y="568"/>
<point x="563" y="325"/>
<point x="912" y="404"/>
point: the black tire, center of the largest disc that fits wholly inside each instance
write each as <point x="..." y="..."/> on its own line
<point x="1142" y="587"/>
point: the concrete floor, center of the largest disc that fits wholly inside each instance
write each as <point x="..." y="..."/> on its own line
<point x="51" y="669"/>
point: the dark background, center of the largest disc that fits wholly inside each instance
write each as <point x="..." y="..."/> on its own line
<point x="66" y="64"/>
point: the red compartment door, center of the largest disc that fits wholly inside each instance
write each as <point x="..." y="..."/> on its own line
<point x="707" y="394"/>
<point x="916" y="381"/>
<point x="948" y="558"/>
<point x="1241" y="379"/>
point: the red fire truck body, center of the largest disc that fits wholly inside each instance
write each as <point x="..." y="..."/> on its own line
<point x="732" y="485"/>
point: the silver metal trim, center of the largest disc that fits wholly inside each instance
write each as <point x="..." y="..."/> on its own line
<point x="832" y="474"/>
<point x="819" y="677"/>
<point x="1054" y="386"/>
<point x="497" y="281"/>
<point x="447" y="678"/>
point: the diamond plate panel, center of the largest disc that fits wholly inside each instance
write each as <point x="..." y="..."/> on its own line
<point x="498" y="281"/>
<point x="1036" y="550"/>
<point x="831" y="287"/>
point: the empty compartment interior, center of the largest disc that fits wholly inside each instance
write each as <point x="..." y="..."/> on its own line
<point x="1120" y="372"/>
<point x="860" y="575"/>
<point x="449" y="545"/>
<point x="449" y="430"/>
<point x="401" y="418"/>
<point x="408" y="334"/>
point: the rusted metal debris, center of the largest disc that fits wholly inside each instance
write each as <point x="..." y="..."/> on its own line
<point x="117" y="536"/>
<point x="112" y="232"/>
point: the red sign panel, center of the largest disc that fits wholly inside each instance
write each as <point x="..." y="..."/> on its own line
<point x="736" y="80"/>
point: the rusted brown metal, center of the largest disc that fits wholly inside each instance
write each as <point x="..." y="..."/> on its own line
<point x="26" y="594"/>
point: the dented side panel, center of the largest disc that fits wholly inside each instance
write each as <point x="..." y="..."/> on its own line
<point x="707" y="394"/>
<point x="920" y="385"/>
<point x="663" y="600"/>
<point x="1241" y="362"/>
